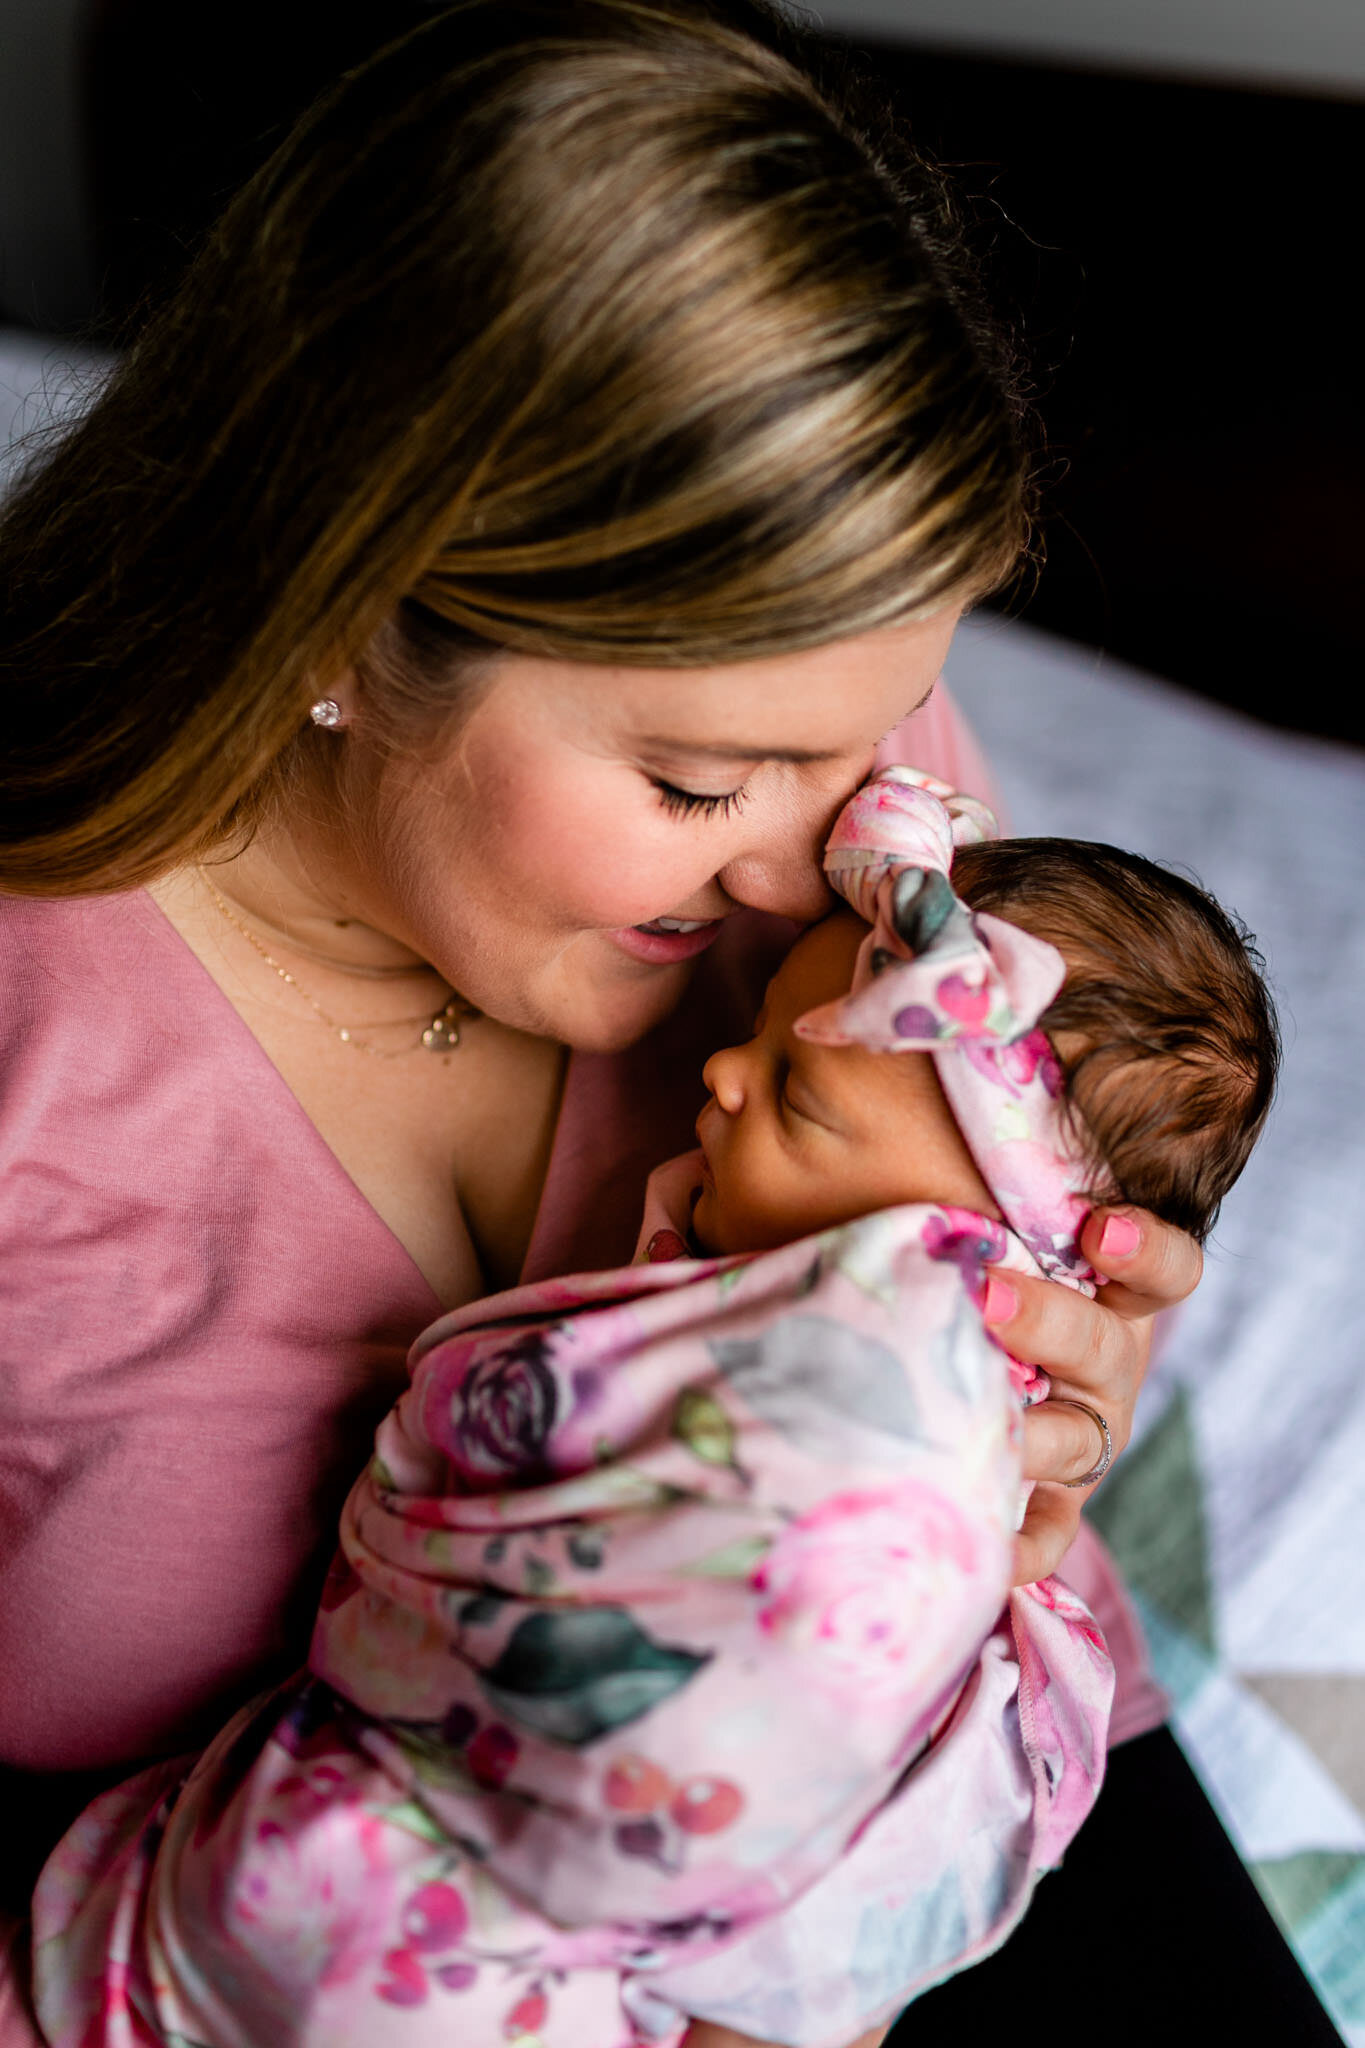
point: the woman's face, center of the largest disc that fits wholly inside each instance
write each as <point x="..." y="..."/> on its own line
<point x="590" y="828"/>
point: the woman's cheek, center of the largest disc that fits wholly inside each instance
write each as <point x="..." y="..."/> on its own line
<point x="597" y="856"/>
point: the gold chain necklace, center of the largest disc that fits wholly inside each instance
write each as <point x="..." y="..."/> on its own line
<point x="442" y="1033"/>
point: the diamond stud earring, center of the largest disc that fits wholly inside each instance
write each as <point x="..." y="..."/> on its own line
<point x="327" y="712"/>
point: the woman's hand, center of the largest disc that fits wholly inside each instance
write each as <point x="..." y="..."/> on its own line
<point x="1092" y="1351"/>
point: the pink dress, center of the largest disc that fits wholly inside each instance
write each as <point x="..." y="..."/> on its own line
<point x="203" y="1322"/>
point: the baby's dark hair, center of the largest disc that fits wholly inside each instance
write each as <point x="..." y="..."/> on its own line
<point x="1165" y="1030"/>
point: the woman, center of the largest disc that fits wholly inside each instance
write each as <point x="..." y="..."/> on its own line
<point x="467" y="605"/>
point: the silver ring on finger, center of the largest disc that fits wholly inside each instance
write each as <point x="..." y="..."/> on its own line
<point x="1097" y="1470"/>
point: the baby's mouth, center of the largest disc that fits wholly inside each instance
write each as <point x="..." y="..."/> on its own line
<point x="670" y="925"/>
<point x="706" y="1173"/>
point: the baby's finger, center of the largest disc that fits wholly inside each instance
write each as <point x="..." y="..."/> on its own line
<point x="1147" y="1264"/>
<point x="1049" y="1527"/>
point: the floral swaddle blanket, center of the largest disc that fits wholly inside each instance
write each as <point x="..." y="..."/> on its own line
<point x="668" y="1668"/>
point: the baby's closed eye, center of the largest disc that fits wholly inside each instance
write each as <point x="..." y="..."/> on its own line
<point x="797" y="1100"/>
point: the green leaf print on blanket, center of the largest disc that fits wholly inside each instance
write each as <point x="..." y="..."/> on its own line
<point x="575" y="1676"/>
<point x="702" y="1424"/>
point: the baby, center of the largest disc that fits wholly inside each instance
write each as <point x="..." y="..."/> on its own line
<point x="670" y="1665"/>
<point x="1159" y="1046"/>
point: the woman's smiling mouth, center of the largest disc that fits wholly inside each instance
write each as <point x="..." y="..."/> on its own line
<point x="666" y="940"/>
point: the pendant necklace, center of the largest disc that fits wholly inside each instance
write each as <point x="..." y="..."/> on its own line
<point x="442" y="1032"/>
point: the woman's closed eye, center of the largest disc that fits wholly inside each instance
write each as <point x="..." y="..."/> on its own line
<point x="692" y="802"/>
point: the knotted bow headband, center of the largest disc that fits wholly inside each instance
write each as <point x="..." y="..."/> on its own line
<point x="934" y="976"/>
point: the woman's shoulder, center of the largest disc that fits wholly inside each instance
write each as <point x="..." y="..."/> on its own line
<point x="94" y="990"/>
<point x="47" y="941"/>
<point x="77" y="975"/>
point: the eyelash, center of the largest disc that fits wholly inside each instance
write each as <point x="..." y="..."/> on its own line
<point x="688" y="803"/>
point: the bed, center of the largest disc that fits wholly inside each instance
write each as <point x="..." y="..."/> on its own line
<point x="1239" y="1511"/>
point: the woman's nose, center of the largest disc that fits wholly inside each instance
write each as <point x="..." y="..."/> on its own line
<point x="723" y="1074"/>
<point x="781" y="871"/>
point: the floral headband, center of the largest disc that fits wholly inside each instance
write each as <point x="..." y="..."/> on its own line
<point x="934" y="976"/>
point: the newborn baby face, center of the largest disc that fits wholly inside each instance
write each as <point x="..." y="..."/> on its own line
<point x="798" y="1136"/>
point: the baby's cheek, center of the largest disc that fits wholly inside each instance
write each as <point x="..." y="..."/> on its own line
<point x="725" y="1215"/>
<point x="720" y="1226"/>
<point x="703" y="1222"/>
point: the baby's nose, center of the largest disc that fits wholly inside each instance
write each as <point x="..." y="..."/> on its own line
<point x="724" y="1076"/>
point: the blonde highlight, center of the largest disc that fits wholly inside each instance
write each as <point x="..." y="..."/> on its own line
<point x="618" y="340"/>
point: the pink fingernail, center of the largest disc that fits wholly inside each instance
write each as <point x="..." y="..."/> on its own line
<point x="1119" y="1237"/>
<point x="1000" y="1301"/>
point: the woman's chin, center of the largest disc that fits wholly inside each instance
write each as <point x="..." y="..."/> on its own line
<point x="616" y="1014"/>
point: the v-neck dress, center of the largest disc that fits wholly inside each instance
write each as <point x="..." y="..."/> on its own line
<point x="202" y="1322"/>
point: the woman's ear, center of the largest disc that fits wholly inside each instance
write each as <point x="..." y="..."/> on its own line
<point x="334" y="708"/>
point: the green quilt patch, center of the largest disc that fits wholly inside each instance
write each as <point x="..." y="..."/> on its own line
<point x="1151" y="1514"/>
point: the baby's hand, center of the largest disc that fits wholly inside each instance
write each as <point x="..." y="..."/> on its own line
<point x="1092" y="1351"/>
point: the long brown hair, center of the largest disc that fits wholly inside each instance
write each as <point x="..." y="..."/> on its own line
<point x="604" y="331"/>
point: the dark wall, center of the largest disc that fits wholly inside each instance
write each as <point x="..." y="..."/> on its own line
<point x="1181" y="260"/>
<point x="182" y="103"/>
<point x="1184" y="261"/>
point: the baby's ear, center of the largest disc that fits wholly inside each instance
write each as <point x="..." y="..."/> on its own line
<point x="922" y="901"/>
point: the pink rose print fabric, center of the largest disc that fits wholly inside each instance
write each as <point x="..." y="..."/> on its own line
<point x="668" y="1667"/>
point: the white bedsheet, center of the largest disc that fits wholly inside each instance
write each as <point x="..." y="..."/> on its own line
<point x="1239" y="1511"/>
